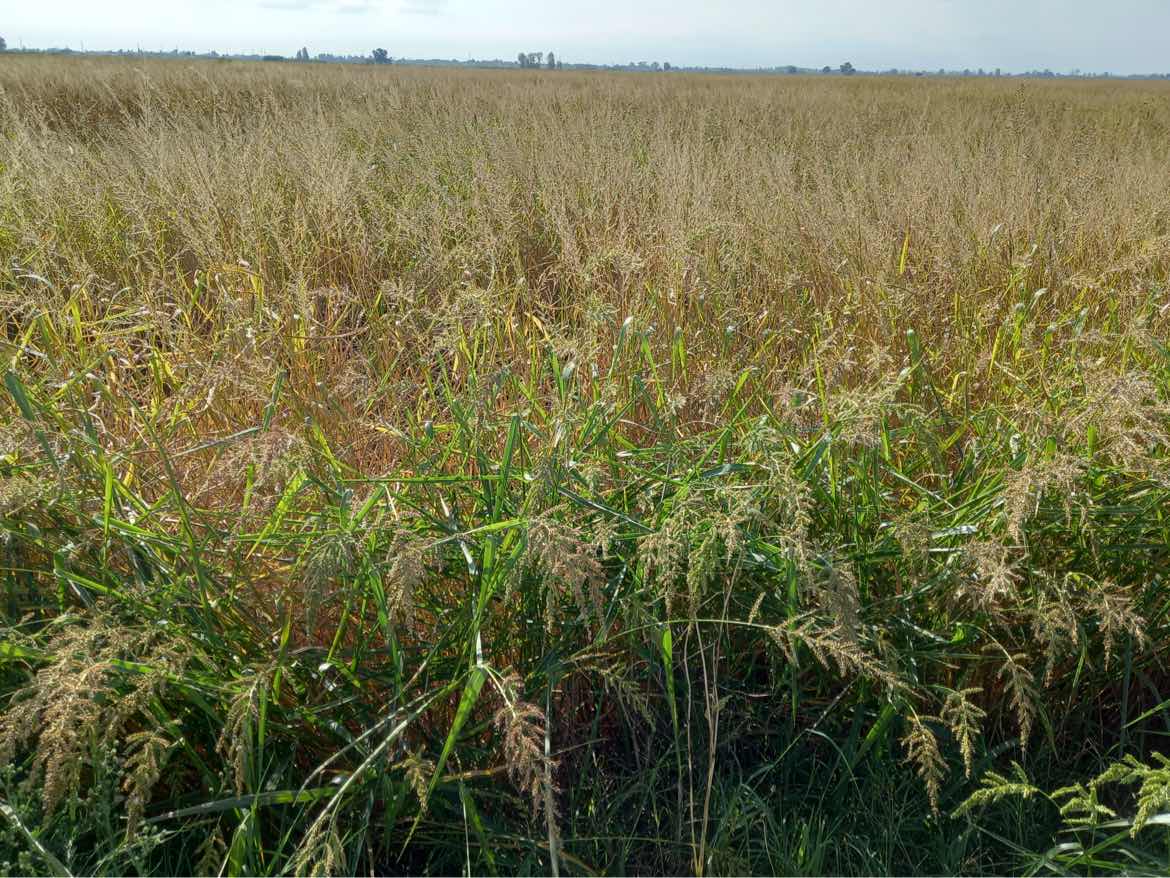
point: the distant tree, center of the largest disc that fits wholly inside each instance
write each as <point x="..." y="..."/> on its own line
<point x="303" y="54"/>
<point x="3" y="45"/>
<point x="791" y="68"/>
<point x="666" y="66"/>
<point x="826" y="69"/>
<point x="847" y="69"/>
<point x="536" y="58"/>
<point x="552" y="61"/>
<point x="380" y="56"/>
<point x="522" y="59"/>
<point x="655" y="66"/>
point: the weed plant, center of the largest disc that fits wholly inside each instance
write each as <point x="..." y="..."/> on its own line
<point x="499" y="472"/>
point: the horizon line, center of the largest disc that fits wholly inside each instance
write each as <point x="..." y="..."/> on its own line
<point x="638" y="65"/>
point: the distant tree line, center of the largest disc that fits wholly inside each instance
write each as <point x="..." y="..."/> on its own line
<point x="530" y="60"/>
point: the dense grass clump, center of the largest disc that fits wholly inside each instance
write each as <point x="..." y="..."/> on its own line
<point x="509" y="472"/>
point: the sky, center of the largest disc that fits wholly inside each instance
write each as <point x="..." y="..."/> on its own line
<point x="1120" y="36"/>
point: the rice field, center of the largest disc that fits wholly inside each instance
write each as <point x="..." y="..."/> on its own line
<point x="497" y="472"/>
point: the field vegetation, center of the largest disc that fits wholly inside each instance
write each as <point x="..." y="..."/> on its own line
<point x="528" y="472"/>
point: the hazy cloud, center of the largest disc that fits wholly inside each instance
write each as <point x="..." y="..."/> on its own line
<point x="341" y="7"/>
<point x="423" y="7"/>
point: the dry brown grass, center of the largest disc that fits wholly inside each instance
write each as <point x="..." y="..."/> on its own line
<point x="348" y="223"/>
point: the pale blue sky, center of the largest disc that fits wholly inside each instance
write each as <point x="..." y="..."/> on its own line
<point x="1123" y="36"/>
